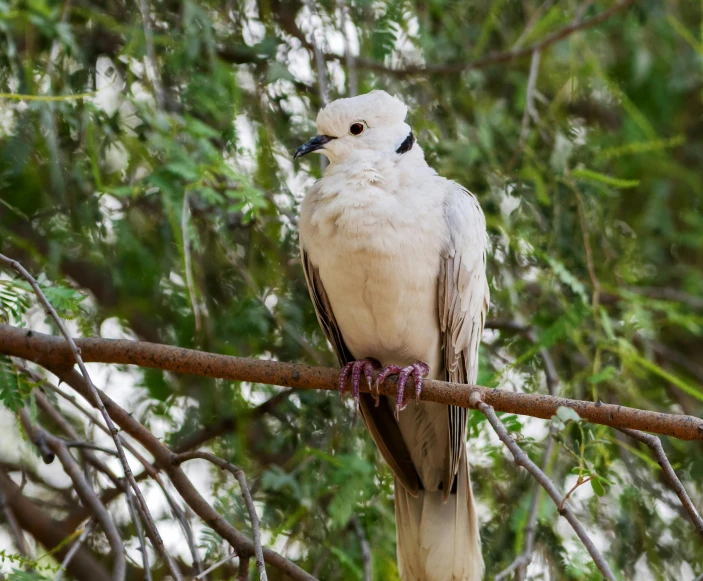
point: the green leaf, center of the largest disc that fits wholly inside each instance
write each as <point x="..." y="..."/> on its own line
<point x="604" y="374"/>
<point x="597" y="487"/>
<point x="590" y="175"/>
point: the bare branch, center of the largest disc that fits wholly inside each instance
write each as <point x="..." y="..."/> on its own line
<point x="163" y="456"/>
<point x="50" y="533"/>
<point x="151" y="54"/>
<point x="530" y="111"/>
<point x="219" y="563"/>
<point x="525" y="558"/>
<point x="83" y="488"/>
<point x="150" y="470"/>
<point x="352" y="82"/>
<point x="243" y="570"/>
<point x="246" y="495"/>
<point x="76" y="356"/>
<point x="365" y="548"/>
<point x="74" y="549"/>
<point x="15" y="529"/>
<point x="54" y="354"/>
<point x="655" y="445"/>
<point x="522" y="459"/>
<point x="138" y="526"/>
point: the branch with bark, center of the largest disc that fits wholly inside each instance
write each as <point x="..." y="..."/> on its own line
<point x="59" y="355"/>
<point x="52" y="352"/>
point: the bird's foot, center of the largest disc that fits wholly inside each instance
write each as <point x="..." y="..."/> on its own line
<point x="355" y="368"/>
<point x="416" y="370"/>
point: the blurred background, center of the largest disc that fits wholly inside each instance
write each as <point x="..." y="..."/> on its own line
<point x="146" y="172"/>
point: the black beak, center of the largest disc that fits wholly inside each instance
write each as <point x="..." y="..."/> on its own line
<point x="314" y="144"/>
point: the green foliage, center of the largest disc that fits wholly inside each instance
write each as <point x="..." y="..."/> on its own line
<point x="94" y="176"/>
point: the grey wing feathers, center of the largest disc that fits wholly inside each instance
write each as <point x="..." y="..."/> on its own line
<point x="463" y="304"/>
<point x="323" y="310"/>
<point x="378" y="419"/>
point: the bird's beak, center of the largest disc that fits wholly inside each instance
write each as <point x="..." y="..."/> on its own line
<point x="317" y="142"/>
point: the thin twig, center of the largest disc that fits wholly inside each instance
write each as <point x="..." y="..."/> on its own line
<point x="114" y="432"/>
<point x="138" y="526"/>
<point x="587" y="247"/>
<point x="83" y="489"/>
<point x="53" y="354"/>
<point x="150" y="469"/>
<point x="365" y="548"/>
<point x="352" y="81"/>
<point x="151" y="54"/>
<point x="534" y="19"/>
<point x="188" y="266"/>
<point x="215" y="566"/>
<point x="522" y="459"/>
<point x="530" y="111"/>
<point x="655" y="446"/>
<point x="321" y="72"/>
<point x="525" y="558"/>
<point x="579" y="482"/>
<point x="74" y="549"/>
<point x="246" y="495"/>
<point x="89" y="446"/>
<point x="15" y="529"/>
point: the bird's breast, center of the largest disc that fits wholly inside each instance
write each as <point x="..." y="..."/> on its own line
<point x="378" y="260"/>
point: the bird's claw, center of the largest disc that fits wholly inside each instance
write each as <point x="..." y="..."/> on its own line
<point x="416" y="370"/>
<point x="367" y="366"/>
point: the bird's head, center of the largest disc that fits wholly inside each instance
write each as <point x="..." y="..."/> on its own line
<point x="373" y="123"/>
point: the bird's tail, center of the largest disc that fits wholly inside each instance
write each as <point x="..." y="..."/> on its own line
<point x="437" y="540"/>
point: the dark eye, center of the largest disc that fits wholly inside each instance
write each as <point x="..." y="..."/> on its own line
<point x="356" y="128"/>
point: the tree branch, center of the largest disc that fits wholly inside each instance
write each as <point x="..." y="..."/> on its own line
<point x="522" y="459"/>
<point x="163" y="457"/>
<point x="656" y="446"/>
<point x="246" y="495"/>
<point x="76" y="356"/>
<point x="53" y="353"/>
<point x="83" y="488"/>
<point x="50" y="533"/>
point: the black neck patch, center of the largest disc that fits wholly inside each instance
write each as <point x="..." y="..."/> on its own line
<point x="407" y="145"/>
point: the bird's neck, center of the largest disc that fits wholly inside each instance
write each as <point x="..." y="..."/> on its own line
<point x="377" y="161"/>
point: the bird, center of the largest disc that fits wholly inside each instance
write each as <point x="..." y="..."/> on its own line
<point x="394" y="257"/>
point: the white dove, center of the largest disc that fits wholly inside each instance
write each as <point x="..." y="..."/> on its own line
<point x="395" y="260"/>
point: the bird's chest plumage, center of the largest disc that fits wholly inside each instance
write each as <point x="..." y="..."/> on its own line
<point x="378" y="253"/>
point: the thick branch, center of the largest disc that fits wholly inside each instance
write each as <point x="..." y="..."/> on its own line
<point x="53" y="352"/>
<point x="522" y="459"/>
<point x="656" y="446"/>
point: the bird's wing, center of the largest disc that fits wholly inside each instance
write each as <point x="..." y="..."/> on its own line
<point x="463" y="304"/>
<point x="378" y="419"/>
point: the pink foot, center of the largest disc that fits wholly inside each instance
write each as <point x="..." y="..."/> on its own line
<point x="368" y="366"/>
<point x="417" y="370"/>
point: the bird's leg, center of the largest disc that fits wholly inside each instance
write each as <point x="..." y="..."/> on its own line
<point x="417" y="370"/>
<point x="368" y="366"/>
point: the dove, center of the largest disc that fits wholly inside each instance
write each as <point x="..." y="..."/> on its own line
<point x="395" y="261"/>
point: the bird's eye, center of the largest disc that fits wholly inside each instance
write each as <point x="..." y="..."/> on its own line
<point x="356" y="128"/>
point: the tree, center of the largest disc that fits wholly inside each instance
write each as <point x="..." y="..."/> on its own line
<point x="147" y="183"/>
